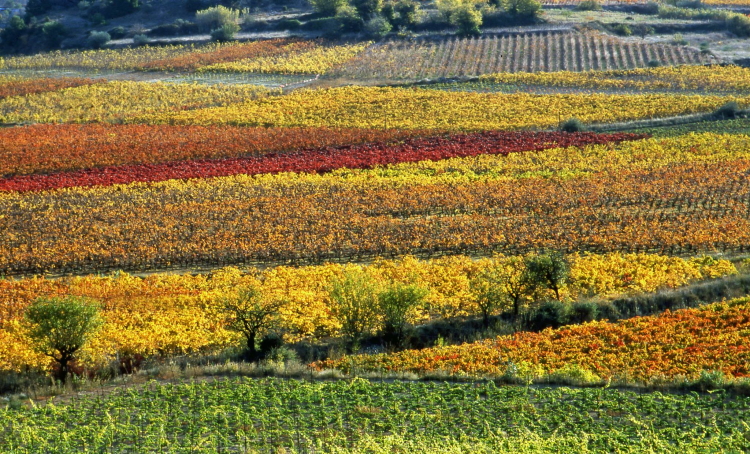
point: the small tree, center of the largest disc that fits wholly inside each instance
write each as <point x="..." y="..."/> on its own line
<point x="97" y="40"/>
<point x="59" y="327"/>
<point x="378" y="27"/>
<point x="216" y="17"/>
<point x="549" y="270"/>
<point x="396" y="303"/>
<point x="572" y="125"/>
<point x="367" y="8"/>
<point x="524" y="8"/>
<point x="467" y="19"/>
<point x="327" y="8"/>
<point x="355" y="304"/>
<point x="225" y="32"/>
<point x="251" y="314"/>
<point x="517" y="284"/>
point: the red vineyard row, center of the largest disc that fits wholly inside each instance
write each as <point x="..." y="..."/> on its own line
<point x="318" y="160"/>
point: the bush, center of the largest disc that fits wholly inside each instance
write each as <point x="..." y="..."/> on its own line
<point x="524" y="8"/>
<point x="117" y="33"/>
<point x="225" y="33"/>
<point x="349" y="19"/>
<point x="117" y="8"/>
<point x="572" y="125"/>
<point x="377" y="27"/>
<point x="679" y="40"/>
<point x="268" y="343"/>
<point x="583" y="312"/>
<point x="54" y="32"/>
<point x="60" y="327"/>
<point x="367" y="9"/>
<point x="141" y="40"/>
<point x="216" y="17"/>
<point x="97" y="40"/>
<point x="402" y="14"/>
<point x="728" y="110"/>
<point x="589" y="5"/>
<point x="622" y="30"/>
<point x="551" y="314"/>
<point x="326" y="25"/>
<point x="288" y="24"/>
<point x="468" y="20"/>
<point x="704" y="48"/>
<point x="327" y="7"/>
<point x="653" y="63"/>
<point x="739" y="24"/>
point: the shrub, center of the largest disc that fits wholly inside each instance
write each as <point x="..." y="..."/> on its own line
<point x="326" y="25"/>
<point x="622" y="30"/>
<point x="573" y="374"/>
<point x="288" y="24"/>
<point x="117" y="33"/>
<point x="349" y="19"/>
<point x="327" y="7"/>
<point x="59" y="327"/>
<point x="216" y="17"/>
<point x="739" y="24"/>
<point x="572" y="125"/>
<point x="117" y="8"/>
<point x="141" y="40"/>
<point x="728" y="110"/>
<point x="378" y="27"/>
<point x="589" y="5"/>
<point x="583" y="312"/>
<point x="468" y="20"/>
<point x="679" y="40"/>
<point x="396" y="304"/>
<point x="548" y="270"/>
<point x="653" y="63"/>
<point x="97" y="40"/>
<point x="354" y="304"/>
<point x="54" y="32"/>
<point x="550" y="314"/>
<point x="524" y="8"/>
<point x="367" y="9"/>
<point x="225" y="32"/>
<point x="704" y="48"/>
<point x="402" y="14"/>
<point x="268" y="343"/>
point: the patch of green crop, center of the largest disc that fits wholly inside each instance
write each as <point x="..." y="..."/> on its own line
<point x="245" y="415"/>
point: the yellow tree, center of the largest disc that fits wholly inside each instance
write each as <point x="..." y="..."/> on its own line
<point x="250" y="313"/>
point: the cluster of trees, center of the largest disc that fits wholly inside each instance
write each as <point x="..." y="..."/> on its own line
<point x="60" y="327"/>
<point x="363" y="307"/>
<point x="377" y="18"/>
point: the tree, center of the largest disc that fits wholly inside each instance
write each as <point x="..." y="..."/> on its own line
<point x="548" y="270"/>
<point x="367" y="8"/>
<point x="97" y="40"/>
<point x="59" y="327"/>
<point x="217" y="17"/>
<point x="327" y="8"/>
<point x="250" y="313"/>
<point x="487" y="289"/>
<point x="54" y="32"/>
<point x="516" y="283"/>
<point x="354" y="304"/>
<point x="396" y="303"/>
<point x="524" y="8"/>
<point x="468" y="20"/>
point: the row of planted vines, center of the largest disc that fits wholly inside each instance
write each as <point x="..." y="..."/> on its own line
<point x="403" y="108"/>
<point x="242" y="415"/>
<point x="242" y="141"/>
<point x="177" y="314"/>
<point x="527" y="52"/>
<point x="679" y="195"/>
<point x="675" y="344"/>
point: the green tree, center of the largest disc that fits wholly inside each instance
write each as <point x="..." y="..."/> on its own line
<point x="396" y="303"/>
<point x="54" y="32"/>
<point x="59" y="327"/>
<point x="250" y="313"/>
<point x="468" y="20"/>
<point x="327" y="8"/>
<point x="549" y="270"/>
<point x="367" y="8"/>
<point x="524" y="8"/>
<point x="216" y="17"/>
<point x="354" y="298"/>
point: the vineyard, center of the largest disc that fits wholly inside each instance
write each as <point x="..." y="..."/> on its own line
<point x="164" y="314"/>
<point x="531" y="52"/>
<point x="434" y="213"/>
<point x="359" y="416"/>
